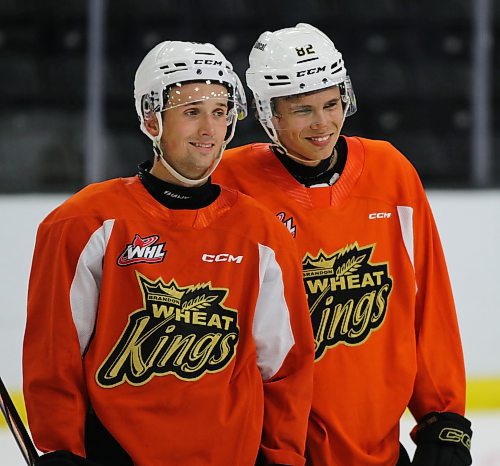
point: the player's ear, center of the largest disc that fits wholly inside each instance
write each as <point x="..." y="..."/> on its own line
<point x="151" y="125"/>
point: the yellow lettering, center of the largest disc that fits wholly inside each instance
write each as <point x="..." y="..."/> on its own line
<point x="361" y="315"/>
<point x="317" y="285"/>
<point x="340" y="281"/>
<point x="163" y="311"/>
<point x="159" y="346"/>
<point x="177" y="343"/>
<point x="227" y="321"/>
<point x="379" y="276"/>
<point x="131" y="351"/>
<point x="181" y="314"/>
<point x="199" y="318"/>
<point x="225" y="348"/>
<point x="201" y="351"/>
<point x="215" y="321"/>
<point x="353" y="281"/>
<point x="341" y="317"/>
<point x="381" y="302"/>
<point x="367" y="280"/>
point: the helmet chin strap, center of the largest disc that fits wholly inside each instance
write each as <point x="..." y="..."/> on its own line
<point x="273" y="134"/>
<point x="189" y="181"/>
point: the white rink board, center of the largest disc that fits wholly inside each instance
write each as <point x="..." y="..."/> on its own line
<point x="485" y="445"/>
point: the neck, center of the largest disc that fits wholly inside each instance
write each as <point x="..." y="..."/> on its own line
<point x="307" y="162"/>
<point x="326" y="171"/>
<point x="303" y="161"/>
<point x="175" y="196"/>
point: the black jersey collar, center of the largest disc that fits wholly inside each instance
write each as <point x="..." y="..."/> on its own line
<point x="321" y="173"/>
<point x="174" y="196"/>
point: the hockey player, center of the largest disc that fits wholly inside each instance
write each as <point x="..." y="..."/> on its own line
<point x="167" y="321"/>
<point x="386" y="334"/>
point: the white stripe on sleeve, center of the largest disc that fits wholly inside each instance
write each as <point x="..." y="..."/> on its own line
<point x="406" y="223"/>
<point x="85" y="288"/>
<point x="272" y="331"/>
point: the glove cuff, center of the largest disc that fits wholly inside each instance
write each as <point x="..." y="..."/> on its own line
<point x="445" y="428"/>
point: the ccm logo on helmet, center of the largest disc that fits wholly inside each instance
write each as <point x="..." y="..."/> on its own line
<point x="375" y="215"/>
<point x="318" y="69"/>
<point x="221" y="258"/>
<point x="208" y="62"/>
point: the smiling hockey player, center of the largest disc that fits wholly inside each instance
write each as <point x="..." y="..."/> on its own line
<point x="386" y="333"/>
<point x="167" y="320"/>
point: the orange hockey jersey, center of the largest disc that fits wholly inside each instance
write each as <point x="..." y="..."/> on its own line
<point x="386" y="333"/>
<point x="186" y="331"/>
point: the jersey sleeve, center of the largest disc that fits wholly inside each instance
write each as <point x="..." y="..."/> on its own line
<point x="285" y="353"/>
<point x="440" y="379"/>
<point x="62" y="297"/>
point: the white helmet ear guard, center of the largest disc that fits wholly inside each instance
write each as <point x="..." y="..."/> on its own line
<point x="172" y="63"/>
<point x="293" y="61"/>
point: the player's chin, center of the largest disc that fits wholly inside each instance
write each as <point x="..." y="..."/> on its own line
<point x="320" y="153"/>
<point x="203" y="164"/>
<point x="202" y="158"/>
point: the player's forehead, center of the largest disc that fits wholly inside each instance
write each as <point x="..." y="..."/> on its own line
<point x="198" y="93"/>
<point x="312" y="98"/>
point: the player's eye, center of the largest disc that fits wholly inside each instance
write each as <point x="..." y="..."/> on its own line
<point x="331" y="104"/>
<point x="191" y="112"/>
<point x="220" y="113"/>
<point x="301" y="111"/>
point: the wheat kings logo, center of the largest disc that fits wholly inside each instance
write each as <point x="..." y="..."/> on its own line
<point x="347" y="296"/>
<point x="184" y="331"/>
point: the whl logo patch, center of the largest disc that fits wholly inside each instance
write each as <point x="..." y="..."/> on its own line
<point x="142" y="250"/>
<point x="288" y="222"/>
<point x="347" y="296"/>
<point x="184" y="331"/>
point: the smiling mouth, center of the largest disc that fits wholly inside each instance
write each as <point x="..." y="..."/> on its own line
<point x="201" y="145"/>
<point x="321" y="141"/>
<point x="320" y="138"/>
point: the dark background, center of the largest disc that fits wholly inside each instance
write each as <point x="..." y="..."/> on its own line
<point x="409" y="61"/>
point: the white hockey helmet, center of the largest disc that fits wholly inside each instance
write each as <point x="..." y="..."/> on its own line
<point x="294" y="61"/>
<point x="172" y="63"/>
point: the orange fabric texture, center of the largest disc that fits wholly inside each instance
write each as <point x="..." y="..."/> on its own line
<point x="158" y="319"/>
<point x="385" y="326"/>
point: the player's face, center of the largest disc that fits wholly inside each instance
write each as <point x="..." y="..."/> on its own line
<point x="194" y="128"/>
<point x="309" y="125"/>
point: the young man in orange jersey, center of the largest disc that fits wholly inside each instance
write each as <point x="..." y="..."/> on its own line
<point x="166" y="313"/>
<point x="386" y="334"/>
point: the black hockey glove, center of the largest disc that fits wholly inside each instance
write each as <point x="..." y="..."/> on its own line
<point x="443" y="439"/>
<point x="63" y="458"/>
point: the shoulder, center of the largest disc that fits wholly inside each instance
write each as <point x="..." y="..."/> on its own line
<point x="94" y="200"/>
<point x="250" y="217"/>
<point x="247" y="160"/>
<point x="244" y="203"/>
<point x="247" y="153"/>
<point x="386" y="168"/>
<point x="381" y="151"/>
